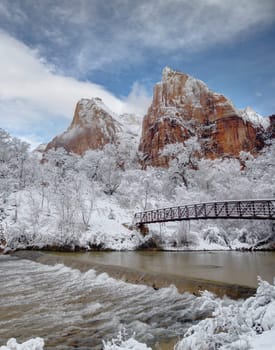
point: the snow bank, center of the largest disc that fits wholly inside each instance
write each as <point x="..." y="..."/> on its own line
<point x="264" y="341"/>
<point x="121" y="343"/>
<point x="126" y="345"/>
<point x="32" y="344"/>
<point x="237" y="326"/>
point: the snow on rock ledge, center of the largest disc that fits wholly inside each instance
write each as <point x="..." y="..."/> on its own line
<point x="256" y="119"/>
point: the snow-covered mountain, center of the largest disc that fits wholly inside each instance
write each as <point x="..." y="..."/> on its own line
<point x="183" y="107"/>
<point x="94" y="125"/>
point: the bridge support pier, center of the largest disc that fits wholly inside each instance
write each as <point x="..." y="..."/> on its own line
<point x="143" y="229"/>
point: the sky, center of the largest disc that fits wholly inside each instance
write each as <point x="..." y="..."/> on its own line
<point x="54" y="52"/>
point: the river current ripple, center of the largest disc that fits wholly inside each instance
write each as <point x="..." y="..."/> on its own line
<point x="72" y="309"/>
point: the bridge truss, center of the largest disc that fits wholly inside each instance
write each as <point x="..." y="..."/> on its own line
<point x="236" y="209"/>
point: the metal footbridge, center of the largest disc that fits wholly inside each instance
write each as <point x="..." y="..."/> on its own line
<point x="260" y="209"/>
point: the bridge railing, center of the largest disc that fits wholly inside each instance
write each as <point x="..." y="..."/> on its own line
<point x="235" y="209"/>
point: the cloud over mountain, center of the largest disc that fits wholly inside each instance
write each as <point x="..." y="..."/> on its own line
<point x="29" y="85"/>
<point x="55" y="52"/>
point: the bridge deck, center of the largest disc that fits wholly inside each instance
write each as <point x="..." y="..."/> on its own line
<point x="246" y="209"/>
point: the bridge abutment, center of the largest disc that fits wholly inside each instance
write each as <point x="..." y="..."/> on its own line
<point x="143" y="229"/>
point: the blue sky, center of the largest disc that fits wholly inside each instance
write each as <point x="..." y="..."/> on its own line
<point x="53" y="52"/>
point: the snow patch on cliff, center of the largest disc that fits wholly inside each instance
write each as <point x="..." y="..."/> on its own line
<point x="193" y="89"/>
<point x="94" y="104"/>
<point x="248" y="114"/>
<point x="167" y="73"/>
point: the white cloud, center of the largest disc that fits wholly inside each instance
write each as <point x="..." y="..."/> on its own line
<point x="183" y="26"/>
<point x="198" y="24"/>
<point x="32" y="93"/>
<point x="83" y="36"/>
<point x="138" y="100"/>
<point x="33" y="140"/>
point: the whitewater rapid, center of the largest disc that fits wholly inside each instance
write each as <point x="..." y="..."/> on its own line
<point x="69" y="308"/>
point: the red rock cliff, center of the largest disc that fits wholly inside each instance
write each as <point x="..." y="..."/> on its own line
<point x="93" y="126"/>
<point x="182" y="107"/>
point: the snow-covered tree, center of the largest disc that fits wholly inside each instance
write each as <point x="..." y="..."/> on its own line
<point x="13" y="157"/>
<point x="183" y="157"/>
<point x="110" y="169"/>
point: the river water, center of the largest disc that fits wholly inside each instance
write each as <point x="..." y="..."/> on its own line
<point x="73" y="309"/>
<point x="225" y="266"/>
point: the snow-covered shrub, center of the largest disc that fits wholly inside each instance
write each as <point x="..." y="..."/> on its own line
<point x="32" y="344"/>
<point x="247" y="237"/>
<point x="214" y="235"/>
<point x="123" y="342"/>
<point x="233" y="326"/>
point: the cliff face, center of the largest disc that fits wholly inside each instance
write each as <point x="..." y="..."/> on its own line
<point x="182" y="107"/>
<point x="230" y="136"/>
<point x="93" y="126"/>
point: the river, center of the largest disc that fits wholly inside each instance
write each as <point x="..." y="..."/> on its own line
<point x="75" y="307"/>
<point x="225" y="266"/>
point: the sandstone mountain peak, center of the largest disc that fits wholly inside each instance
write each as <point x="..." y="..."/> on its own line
<point x="184" y="106"/>
<point x="167" y="73"/>
<point x="171" y="75"/>
<point x="93" y="126"/>
<point x="89" y="109"/>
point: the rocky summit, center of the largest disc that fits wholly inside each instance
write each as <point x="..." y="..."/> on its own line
<point x="183" y="107"/>
<point x="93" y="126"/>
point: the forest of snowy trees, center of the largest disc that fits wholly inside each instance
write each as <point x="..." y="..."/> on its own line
<point x="65" y="201"/>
